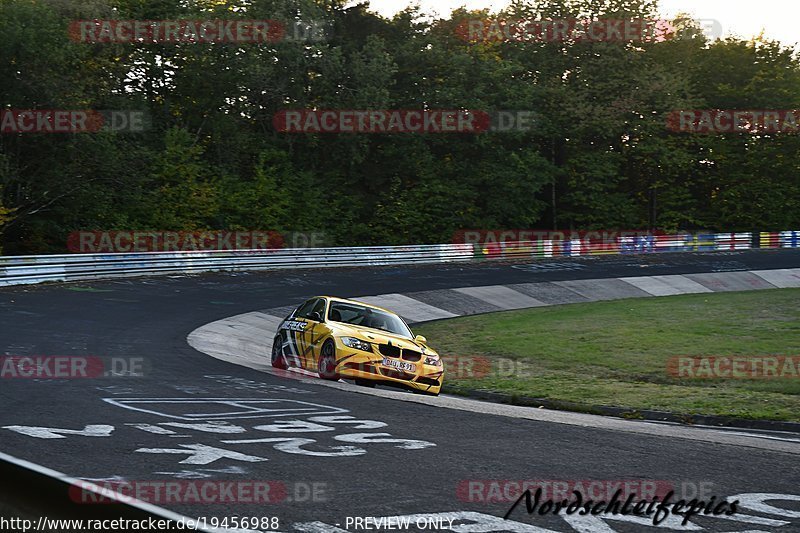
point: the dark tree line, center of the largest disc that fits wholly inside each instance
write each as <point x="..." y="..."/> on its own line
<point x="599" y="156"/>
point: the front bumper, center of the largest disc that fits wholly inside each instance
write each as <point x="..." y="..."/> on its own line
<point x="357" y="364"/>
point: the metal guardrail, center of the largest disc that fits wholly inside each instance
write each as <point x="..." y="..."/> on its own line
<point x="16" y="270"/>
<point x="70" y="267"/>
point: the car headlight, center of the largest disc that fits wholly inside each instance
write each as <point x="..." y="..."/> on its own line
<point x="433" y="360"/>
<point x="358" y="344"/>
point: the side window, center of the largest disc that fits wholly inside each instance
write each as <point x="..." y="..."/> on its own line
<point x="310" y="309"/>
<point x="319" y="310"/>
<point x="305" y="310"/>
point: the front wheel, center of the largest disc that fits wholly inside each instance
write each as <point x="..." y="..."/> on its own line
<point x="278" y="359"/>
<point x="326" y="365"/>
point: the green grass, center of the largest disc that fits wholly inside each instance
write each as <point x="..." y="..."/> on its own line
<point x="615" y="353"/>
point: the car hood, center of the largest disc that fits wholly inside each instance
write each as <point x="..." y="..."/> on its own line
<point x="375" y="336"/>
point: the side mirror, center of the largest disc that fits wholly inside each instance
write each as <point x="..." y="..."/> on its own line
<point x="316" y="316"/>
<point x="420" y="339"/>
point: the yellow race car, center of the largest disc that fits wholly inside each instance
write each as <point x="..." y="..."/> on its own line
<point x="341" y="338"/>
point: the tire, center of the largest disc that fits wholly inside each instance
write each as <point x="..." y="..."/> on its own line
<point x="278" y="359"/>
<point x="326" y="364"/>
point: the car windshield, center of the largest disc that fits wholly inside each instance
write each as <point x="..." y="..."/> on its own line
<point x="359" y="315"/>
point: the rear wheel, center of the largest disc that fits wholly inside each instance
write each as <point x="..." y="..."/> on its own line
<point x="278" y="359"/>
<point x="326" y="365"/>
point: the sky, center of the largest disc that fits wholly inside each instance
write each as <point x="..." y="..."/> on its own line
<point x="745" y="18"/>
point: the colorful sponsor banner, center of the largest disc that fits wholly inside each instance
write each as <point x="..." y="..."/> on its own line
<point x="779" y="239"/>
<point x="549" y="243"/>
<point x="531" y="243"/>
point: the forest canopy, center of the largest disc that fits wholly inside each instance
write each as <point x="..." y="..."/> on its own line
<point x="599" y="154"/>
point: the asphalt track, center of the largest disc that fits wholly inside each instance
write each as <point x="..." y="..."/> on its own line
<point x="157" y="427"/>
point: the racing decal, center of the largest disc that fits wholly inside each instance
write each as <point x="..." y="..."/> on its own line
<point x="294" y="325"/>
<point x="311" y="340"/>
<point x="291" y="332"/>
<point x="289" y="344"/>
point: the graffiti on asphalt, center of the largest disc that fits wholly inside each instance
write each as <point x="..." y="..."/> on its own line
<point x="287" y="425"/>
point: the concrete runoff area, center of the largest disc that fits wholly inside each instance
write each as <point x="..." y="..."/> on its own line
<point x="550" y="293"/>
<point x="502" y="297"/>
<point x="604" y="289"/>
<point x="731" y="281"/>
<point x="784" y="278"/>
<point x="455" y="302"/>
<point x="666" y="285"/>
<point x="409" y="308"/>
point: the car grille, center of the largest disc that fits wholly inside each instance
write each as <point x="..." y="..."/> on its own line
<point x="393" y="351"/>
<point x="389" y="350"/>
<point x="411" y="355"/>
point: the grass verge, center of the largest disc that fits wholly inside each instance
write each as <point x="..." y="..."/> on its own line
<point x="617" y="353"/>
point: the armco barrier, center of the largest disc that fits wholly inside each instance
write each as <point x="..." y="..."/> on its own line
<point x="780" y="239"/>
<point x="16" y="270"/>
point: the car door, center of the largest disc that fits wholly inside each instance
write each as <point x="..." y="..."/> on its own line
<point x="308" y="345"/>
<point x="292" y="331"/>
<point x="316" y="332"/>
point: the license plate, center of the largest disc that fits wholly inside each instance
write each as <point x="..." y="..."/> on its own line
<point x="401" y="365"/>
